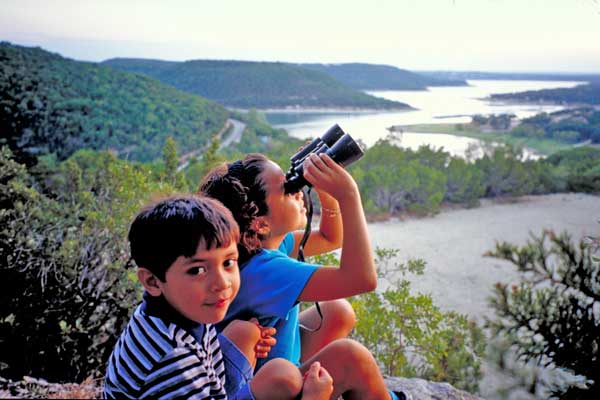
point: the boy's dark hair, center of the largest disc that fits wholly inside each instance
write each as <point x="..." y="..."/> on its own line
<point x="239" y="187"/>
<point x="173" y="227"/>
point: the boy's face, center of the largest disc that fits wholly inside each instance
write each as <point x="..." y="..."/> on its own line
<point x="203" y="286"/>
<point x="286" y="211"/>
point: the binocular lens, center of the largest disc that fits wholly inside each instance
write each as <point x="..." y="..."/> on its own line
<point x="332" y="135"/>
<point x="338" y="145"/>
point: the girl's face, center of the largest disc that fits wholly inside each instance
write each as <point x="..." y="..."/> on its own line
<point x="286" y="211"/>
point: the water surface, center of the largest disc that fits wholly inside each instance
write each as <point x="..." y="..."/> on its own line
<point x="436" y="105"/>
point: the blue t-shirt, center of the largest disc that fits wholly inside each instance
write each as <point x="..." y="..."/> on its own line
<point x="271" y="282"/>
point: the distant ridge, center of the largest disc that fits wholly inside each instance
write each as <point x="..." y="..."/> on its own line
<point x="381" y="77"/>
<point x="578" y="95"/>
<point x="53" y="105"/>
<point x="530" y="76"/>
<point x="263" y="85"/>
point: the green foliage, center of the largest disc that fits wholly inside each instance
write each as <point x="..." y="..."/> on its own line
<point x="504" y="173"/>
<point x="260" y="137"/>
<point x="496" y="122"/>
<point x="551" y="317"/>
<point x="464" y="183"/>
<point x="199" y="167"/>
<point x="170" y="166"/>
<point x="66" y="293"/>
<point x="381" y="77"/>
<point x="581" y="94"/>
<point x="576" y="170"/>
<point x="409" y="335"/>
<point x="393" y="179"/>
<point x="568" y="126"/>
<point x="255" y="84"/>
<point x="51" y="104"/>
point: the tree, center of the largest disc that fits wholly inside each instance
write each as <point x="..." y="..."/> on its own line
<point x="463" y="183"/>
<point x="551" y="317"/>
<point x="66" y="292"/>
<point x="170" y="159"/>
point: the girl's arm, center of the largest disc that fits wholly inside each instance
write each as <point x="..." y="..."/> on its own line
<point x="356" y="273"/>
<point x="329" y="235"/>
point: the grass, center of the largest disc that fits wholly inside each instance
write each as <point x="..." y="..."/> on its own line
<point x="543" y="146"/>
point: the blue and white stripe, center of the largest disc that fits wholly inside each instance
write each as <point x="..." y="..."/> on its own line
<point x="163" y="361"/>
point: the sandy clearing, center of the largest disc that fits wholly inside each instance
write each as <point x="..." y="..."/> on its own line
<point x="452" y="243"/>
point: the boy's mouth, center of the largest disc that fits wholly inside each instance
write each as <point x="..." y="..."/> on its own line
<point x="219" y="303"/>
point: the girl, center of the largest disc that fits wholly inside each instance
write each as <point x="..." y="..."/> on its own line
<point x="273" y="282"/>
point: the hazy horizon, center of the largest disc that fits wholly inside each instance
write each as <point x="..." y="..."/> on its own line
<point x="537" y="36"/>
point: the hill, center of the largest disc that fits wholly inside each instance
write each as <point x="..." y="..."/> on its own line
<point x="581" y="94"/>
<point x="519" y="76"/>
<point x="381" y="77"/>
<point x="263" y="85"/>
<point x="51" y="104"/>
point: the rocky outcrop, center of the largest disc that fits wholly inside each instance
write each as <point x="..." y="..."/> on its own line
<point x="420" y="389"/>
<point x="32" y="388"/>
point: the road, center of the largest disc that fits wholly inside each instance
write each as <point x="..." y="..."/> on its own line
<point x="237" y="128"/>
<point x="233" y="126"/>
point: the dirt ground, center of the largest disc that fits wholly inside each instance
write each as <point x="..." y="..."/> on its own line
<point x="452" y="243"/>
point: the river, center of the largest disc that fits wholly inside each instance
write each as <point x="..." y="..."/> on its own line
<point x="436" y="105"/>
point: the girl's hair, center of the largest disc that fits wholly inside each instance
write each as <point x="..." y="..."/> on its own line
<point x="175" y="226"/>
<point x="239" y="187"/>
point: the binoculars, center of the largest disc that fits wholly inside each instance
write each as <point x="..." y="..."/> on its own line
<point x="335" y="143"/>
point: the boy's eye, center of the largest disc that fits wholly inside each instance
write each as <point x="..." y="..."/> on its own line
<point x="230" y="263"/>
<point x="196" y="271"/>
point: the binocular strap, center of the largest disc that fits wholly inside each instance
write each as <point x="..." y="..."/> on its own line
<point x="307" y="231"/>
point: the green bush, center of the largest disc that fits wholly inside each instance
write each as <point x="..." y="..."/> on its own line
<point x="551" y="317"/>
<point x="66" y="293"/>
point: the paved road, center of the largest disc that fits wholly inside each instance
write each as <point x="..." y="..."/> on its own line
<point x="235" y="136"/>
<point x="235" y="129"/>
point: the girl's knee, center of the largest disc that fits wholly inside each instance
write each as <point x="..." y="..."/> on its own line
<point x="340" y="313"/>
<point x="350" y="351"/>
<point x="280" y="378"/>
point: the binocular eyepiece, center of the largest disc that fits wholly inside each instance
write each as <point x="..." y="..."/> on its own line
<point x="335" y="143"/>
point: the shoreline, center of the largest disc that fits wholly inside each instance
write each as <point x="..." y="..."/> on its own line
<point x="326" y="110"/>
<point x="539" y="146"/>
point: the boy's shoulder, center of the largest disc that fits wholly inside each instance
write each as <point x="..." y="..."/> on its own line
<point x="149" y="344"/>
<point x="168" y="335"/>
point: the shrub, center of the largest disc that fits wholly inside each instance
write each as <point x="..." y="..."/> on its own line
<point x="551" y="317"/>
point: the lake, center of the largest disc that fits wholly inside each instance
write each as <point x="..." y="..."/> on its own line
<point x="436" y="105"/>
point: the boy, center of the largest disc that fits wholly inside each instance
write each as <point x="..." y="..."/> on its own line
<point x="186" y="253"/>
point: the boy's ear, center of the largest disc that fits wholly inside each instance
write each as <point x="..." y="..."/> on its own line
<point x="150" y="282"/>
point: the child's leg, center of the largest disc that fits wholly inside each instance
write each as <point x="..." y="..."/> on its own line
<point x="245" y="335"/>
<point x="338" y="321"/>
<point x="277" y="379"/>
<point x="353" y="369"/>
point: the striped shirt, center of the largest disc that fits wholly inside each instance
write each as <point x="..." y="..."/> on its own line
<point x="158" y="359"/>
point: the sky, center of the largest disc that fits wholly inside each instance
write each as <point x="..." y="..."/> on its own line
<point x="482" y="35"/>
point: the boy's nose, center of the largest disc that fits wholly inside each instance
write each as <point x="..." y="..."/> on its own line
<point x="221" y="282"/>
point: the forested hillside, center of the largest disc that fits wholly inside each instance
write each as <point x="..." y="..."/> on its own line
<point x="381" y="77"/>
<point x="581" y="94"/>
<point x="50" y="104"/>
<point x="523" y="76"/>
<point x="256" y="84"/>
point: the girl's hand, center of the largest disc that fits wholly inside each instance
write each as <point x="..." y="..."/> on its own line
<point x="318" y="384"/>
<point x="327" y="175"/>
<point x="266" y="341"/>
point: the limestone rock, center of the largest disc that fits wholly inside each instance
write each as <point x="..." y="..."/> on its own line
<point x="420" y="389"/>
